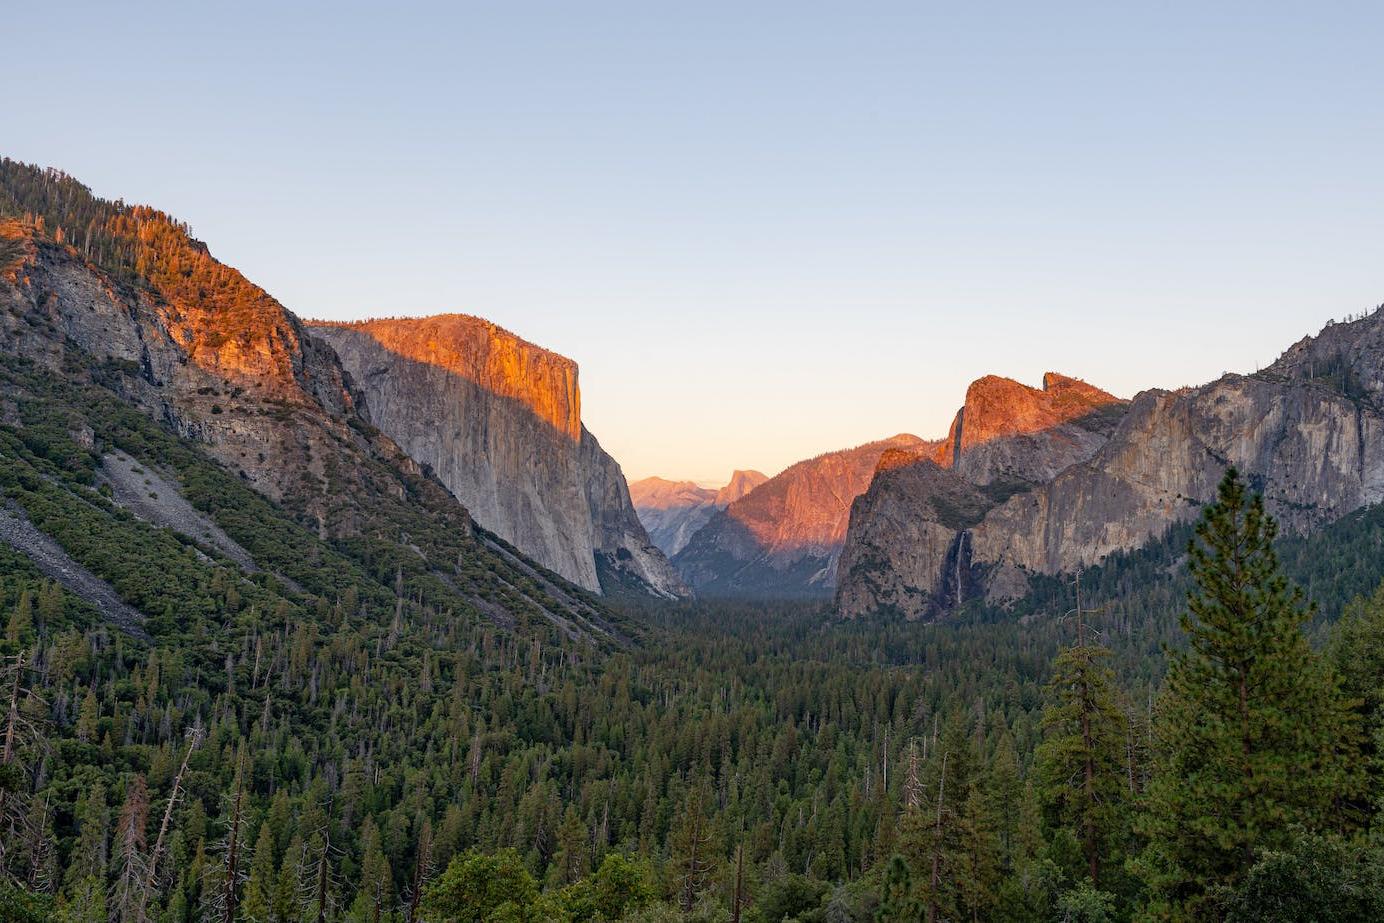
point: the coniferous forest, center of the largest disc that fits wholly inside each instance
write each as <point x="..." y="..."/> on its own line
<point x="1188" y="732"/>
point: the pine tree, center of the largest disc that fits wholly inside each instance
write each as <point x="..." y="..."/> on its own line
<point x="258" y="905"/>
<point x="978" y="870"/>
<point x="88" y="717"/>
<point x="934" y="840"/>
<point x="1357" y="651"/>
<point x="1253" y="733"/>
<point x="21" y="620"/>
<point x="898" y="900"/>
<point x="570" y="862"/>
<point x="49" y="605"/>
<point x="1081" y="761"/>
<point x="422" y="868"/>
<point x="221" y="890"/>
<point x="376" y="879"/>
<point x="691" y="843"/>
<point x="152" y="881"/>
<point x="91" y="857"/>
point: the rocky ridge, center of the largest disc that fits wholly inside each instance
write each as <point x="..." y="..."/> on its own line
<point x="1308" y="431"/>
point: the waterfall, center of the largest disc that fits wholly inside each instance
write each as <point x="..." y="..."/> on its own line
<point x="960" y="550"/>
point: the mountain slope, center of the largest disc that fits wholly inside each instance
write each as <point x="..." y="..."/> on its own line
<point x="498" y="420"/>
<point x="132" y="322"/>
<point x="784" y="536"/>
<point x="673" y="511"/>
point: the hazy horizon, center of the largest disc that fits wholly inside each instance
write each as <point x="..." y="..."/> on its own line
<point x="763" y="233"/>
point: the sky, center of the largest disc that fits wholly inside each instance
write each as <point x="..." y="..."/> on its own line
<point x="764" y="230"/>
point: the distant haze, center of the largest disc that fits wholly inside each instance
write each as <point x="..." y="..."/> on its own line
<point x="763" y="230"/>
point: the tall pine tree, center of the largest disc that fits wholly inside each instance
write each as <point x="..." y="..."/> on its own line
<point x="1081" y="761"/>
<point x="1254" y="735"/>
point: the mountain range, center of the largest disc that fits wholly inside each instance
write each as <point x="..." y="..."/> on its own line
<point x="1040" y="481"/>
<point x="474" y="436"/>
<point x="673" y="511"/>
<point x="783" y="538"/>
<point x="1104" y="476"/>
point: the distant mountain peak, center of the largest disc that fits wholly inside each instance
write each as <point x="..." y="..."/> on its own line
<point x="998" y="408"/>
<point x="782" y="538"/>
<point x="741" y="482"/>
<point x="673" y="511"/>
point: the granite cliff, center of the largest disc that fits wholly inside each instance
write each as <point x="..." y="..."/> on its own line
<point x="1308" y="431"/>
<point x="498" y="420"/>
<point x="673" y="511"/>
<point x="909" y="547"/>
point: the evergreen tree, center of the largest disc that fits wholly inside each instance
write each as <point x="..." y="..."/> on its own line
<point x="979" y="866"/>
<point x="129" y="859"/>
<point x="691" y="843"/>
<point x="1357" y="651"/>
<point x="21" y="620"/>
<point x="938" y="840"/>
<point x="375" y="887"/>
<point x="1253" y="732"/>
<point x="87" y="718"/>
<point x="898" y="900"/>
<point x="1081" y="761"/>
<point x="258" y="905"/>
<point x="570" y="862"/>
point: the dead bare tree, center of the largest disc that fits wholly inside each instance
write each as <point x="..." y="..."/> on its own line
<point x="422" y="868"/>
<point x="125" y="894"/>
<point x="21" y="734"/>
<point x="936" y="879"/>
<point x="151" y="880"/>
<point x="912" y="783"/>
<point x="221" y="886"/>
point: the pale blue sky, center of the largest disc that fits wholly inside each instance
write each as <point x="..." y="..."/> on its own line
<point x="765" y="230"/>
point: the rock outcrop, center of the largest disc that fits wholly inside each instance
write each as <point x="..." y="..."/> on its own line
<point x="673" y="511"/>
<point x="498" y="420"/>
<point x="783" y="538"/>
<point x="1308" y="431"/>
<point x="1011" y="435"/>
<point x="223" y="363"/>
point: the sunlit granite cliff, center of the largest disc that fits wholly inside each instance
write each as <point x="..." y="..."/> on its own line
<point x="498" y="420"/>
<point x="1049" y="495"/>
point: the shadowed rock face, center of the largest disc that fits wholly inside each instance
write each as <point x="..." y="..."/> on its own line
<point x="673" y="511"/>
<point x="498" y="420"/>
<point x="783" y="537"/>
<point x="1308" y="431"/>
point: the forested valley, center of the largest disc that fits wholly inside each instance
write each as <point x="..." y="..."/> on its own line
<point x="340" y="749"/>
